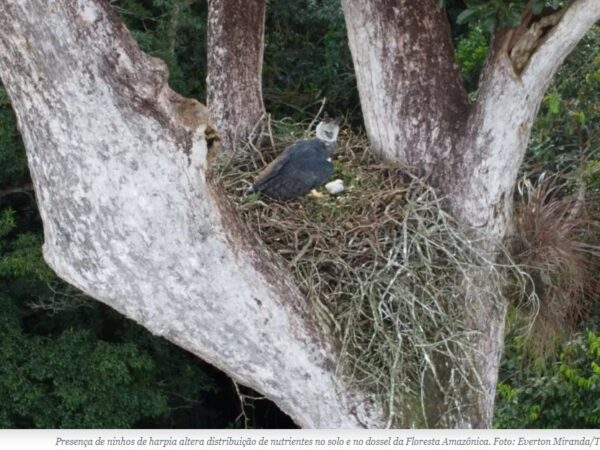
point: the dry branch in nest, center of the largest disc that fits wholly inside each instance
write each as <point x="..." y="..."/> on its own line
<point x="385" y="270"/>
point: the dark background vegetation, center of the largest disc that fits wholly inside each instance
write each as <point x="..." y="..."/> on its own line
<point x="69" y="361"/>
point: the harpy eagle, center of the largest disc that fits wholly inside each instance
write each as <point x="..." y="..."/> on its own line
<point x="301" y="167"/>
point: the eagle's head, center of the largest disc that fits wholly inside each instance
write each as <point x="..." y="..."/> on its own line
<point x="328" y="130"/>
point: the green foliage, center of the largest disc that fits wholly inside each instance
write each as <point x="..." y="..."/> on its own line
<point x="471" y="52"/>
<point x="307" y="58"/>
<point x="7" y="222"/>
<point x="75" y="381"/>
<point x="491" y="14"/>
<point x="565" y="394"/>
<point x="567" y="129"/>
<point x="22" y="258"/>
<point x="537" y="6"/>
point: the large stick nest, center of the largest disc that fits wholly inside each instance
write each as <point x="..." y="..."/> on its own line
<point x="385" y="270"/>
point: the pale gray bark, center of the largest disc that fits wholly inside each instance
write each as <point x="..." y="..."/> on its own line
<point x="119" y="166"/>
<point x="235" y="59"/>
<point x="416" y="113"/>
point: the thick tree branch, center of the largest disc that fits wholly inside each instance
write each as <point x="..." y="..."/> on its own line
<point x="119" y="166"/>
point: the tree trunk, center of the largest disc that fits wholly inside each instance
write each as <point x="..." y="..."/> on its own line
<point x="411" y="93"/>
<point x="235" y="58"/>
<point x="119" y="165"/>
<point x="416" y="112"/>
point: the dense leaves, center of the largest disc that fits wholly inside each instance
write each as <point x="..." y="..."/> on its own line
<point x="471" y="51"/>
<point x="491" y="14"/>
<point x="13" y="166"/>
<point x="307" y="59"/>
<point x="564" y="394"/>
<point x="567" y="132"/>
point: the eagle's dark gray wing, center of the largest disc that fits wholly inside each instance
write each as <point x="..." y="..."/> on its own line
<point x="274" y="166"/>
<point x="299" y="169"/>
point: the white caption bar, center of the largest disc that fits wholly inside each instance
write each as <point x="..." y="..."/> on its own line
<point x="297" y="439"/>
